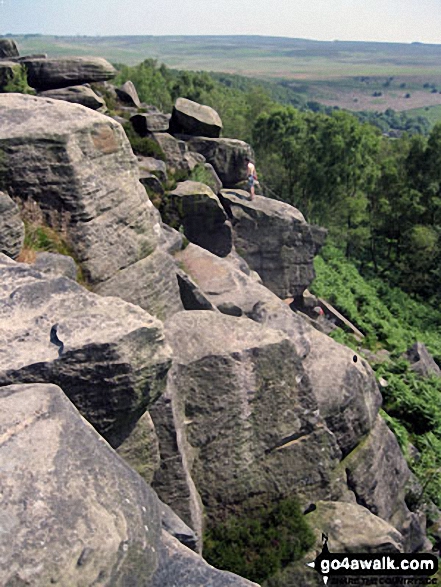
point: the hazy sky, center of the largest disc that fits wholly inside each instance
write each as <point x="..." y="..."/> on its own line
<point x="369" y="20"/>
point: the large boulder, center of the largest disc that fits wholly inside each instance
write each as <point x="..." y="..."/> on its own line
<point x="202" y="216"/>
<point x="227" y="156"/>
<point x="109" y="356"/>
<point x="83" y="95"/>
<point x="73" y="512"/>
<point x="151" y="283"/>
<point x="177" y="155"/>
<point x="149" y="122"/>
<point x="350" y="529"/>
<point x="195" y="119"/>
<point x="127" y="93"/>
<point x="346" y="390"/>
<point x="55" y="264"/>
<point x="377" y="473"/>
<point x="78" y="168"/>
<point x="8" y="48"/>
<point x="48" y="74"/>
<point x="422" y="361"/>
<point x="275" y="240"/>
<point x="245" y="418"/>
<point x="154" y="166"/>
<point x="12" y="231"/>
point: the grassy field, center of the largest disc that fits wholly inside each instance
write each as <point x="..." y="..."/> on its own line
<point x="351" y="75"/>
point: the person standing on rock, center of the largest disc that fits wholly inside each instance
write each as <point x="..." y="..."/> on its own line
<point x="252" y="177"/>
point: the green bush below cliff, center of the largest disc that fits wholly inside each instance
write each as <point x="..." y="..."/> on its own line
<point x="261" y="543"/>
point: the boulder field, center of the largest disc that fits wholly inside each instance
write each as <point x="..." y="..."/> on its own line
<point x="172" y="383"/>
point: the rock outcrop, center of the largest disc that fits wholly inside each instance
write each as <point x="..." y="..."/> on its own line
<point x="127" y="93"/>
<point x="8" y="48"/>
<point x="245" y="416"/>
<point x="335" y="378"/>
<point x="73" y="512"/>
<point x="204" y="220"/>
<point x="78" y="167"/>
<point x="48" y="74"/>
<point x="421" y="361"/>
<point x="227" y="156"/>
<point x="12" y="231"/>
<point x="83" y="95"/>
<point x="55" y="264"/>
<point x="109" y="356"/>
<point x="149" y="122"/>
<point x="177" y="154"/>
<point x="275" y="240"/>
<point x="377" y="474"/>
<point x="195" y="119"/>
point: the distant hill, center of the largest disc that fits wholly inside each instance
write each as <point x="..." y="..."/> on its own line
<point x="356" y="76"/>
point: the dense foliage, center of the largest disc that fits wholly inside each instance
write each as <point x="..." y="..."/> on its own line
<point x="392" y="320"/>
<point x="261" y="543"/>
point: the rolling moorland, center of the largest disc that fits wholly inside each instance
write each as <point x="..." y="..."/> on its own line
<point x="352" y="75"/>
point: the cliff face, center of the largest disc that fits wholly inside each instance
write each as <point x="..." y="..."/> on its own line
<point x="195" y="370"/>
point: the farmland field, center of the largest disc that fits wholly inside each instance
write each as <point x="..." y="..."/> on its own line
<point x="351" y="75"/>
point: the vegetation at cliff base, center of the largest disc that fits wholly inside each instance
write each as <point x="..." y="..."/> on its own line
<point x="392" y="320"/>
<point x="259" y="544"/>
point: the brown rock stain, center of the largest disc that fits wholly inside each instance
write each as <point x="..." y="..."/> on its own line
<point x="104" y="140"/>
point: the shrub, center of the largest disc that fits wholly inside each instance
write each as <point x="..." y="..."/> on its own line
<point x="143" y="146"/>
<point x="260" y="543"/>
<point x="19" y="81"/>
<point x="201" y="174"/>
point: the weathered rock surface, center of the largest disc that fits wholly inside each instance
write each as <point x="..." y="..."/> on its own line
<point x="352" y="528"/>
<point x="227" y="156"/>
<point x="202" y="216"/>
<point x="127" y="93"/>
<point x="54" y="264"/>
<point x="77" y="165"/>
<point x="141" y="449"/>
<point x="246" y="419"/>
<point x="275" y="240"/>
<point x="174" y="526"/>
<point x="151" y="182"/>
<point x="152" y="165"/>
<point x="151" y="283"/>
<point x="12" y="231"/>
<point x="112" y="359"/>
<point x="74" y="513"/>
<point x="48" y="74"/>
<point x="8" y="48"/>
<point x="180" y="566"/>
<point x="421" y="361"/>
<point x="83" y="95"/>
<point x="149" y="122"/>
<point x="334" y="376"/>
<point x="377" y="474"/>
<point x="176" y="152"/>
<point x="195" y="119"/>
<point x="192" y="297"/>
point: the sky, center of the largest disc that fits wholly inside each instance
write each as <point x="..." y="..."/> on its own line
<point x="403" y="21"/>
